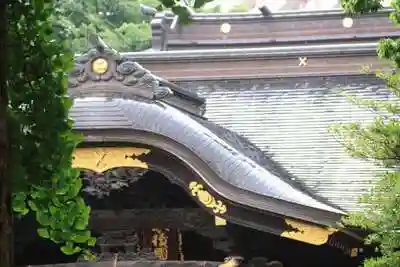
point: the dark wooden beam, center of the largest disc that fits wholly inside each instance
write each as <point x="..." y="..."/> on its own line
<point x="262" y="63"/>
<point x="266" y="68"/>
<point x="184" y="218"/>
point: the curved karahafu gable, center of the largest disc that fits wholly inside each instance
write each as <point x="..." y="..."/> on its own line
<point x="227" y="162"/>
<point x="116" y="100"/>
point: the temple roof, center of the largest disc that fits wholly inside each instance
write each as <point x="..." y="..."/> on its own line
<point x="261" y="158"/>
<point x="113" y="92"/>
<point x="255" y="30"/>
<point x="234" y="160"/>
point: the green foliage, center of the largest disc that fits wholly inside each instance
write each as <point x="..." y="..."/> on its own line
<point x="41" y="138"/>
<point x="239" y="8"/>
<point x="379" y="142"/>
<point x="361" y="6"/>
<point x="119" y="22"/>
<point x="217" y="8"/>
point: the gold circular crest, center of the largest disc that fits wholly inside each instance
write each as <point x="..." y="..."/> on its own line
<point x="100" y="66"/>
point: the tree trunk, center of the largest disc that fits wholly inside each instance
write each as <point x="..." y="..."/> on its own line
<point x="6" y="242"/>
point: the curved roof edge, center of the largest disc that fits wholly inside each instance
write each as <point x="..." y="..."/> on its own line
<point x="257" y="187"/>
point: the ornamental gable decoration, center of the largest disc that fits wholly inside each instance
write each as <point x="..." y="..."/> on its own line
<point x="102" y="71"/>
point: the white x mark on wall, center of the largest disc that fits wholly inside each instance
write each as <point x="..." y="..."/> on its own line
<point x="303" y="61"/>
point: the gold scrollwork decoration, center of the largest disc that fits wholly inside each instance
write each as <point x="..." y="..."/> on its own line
<point x="206" y="198"/>
<point x="100" y="159"/>
<point x="308" y="233"/>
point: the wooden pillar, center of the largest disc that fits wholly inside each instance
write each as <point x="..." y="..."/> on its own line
<point x="6" y="243"/>
<point x="175" y="245"/>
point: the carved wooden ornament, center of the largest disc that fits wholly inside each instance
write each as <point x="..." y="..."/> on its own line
<point x="100" y="159"/>
<point x="308" y="233"/>
<point x="104" y="64"/>
<point x="206" y="198"/>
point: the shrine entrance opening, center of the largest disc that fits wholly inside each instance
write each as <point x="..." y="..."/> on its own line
<point x="141" y="215"/>
<point x="137" y="214"/>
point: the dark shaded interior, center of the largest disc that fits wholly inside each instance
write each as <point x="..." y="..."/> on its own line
<point x="153" y="191"/>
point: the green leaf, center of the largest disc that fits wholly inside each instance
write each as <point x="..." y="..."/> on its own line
<point x="56" y="236"/>
<point x="81" y="223"/>
<point x="21" y="210"/>
<point x="68" y="248"/>
<point x="76" y="250"/>
<point x="53" y="210"/>
<point x="200" y="3"/>
<point x="33" y="205"/>
<point x="89" y="256"/>
<point x="168" y="3"/>
<point x="81" y="237"/>
<point x="43" y="232"/>
<point x="38" y="194"/>
<point x="68" y="102"/>
<point x="19" y="196"/>
<point x="38" y="5"/>
<point x="43" y="218"/>
<point x="75" y="189"/>
<point x="19" y="204"/>
<point x="183" y="13"/>
<point x="91" y="242"/>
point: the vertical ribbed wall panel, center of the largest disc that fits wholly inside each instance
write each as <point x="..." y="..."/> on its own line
<point x="289" y="119"/>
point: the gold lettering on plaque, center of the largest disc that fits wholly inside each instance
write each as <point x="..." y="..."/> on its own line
<point x="160" y="243"/>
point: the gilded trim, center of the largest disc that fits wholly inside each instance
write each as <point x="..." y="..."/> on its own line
<point x="100" y="159"/>
<point x="197" y="190"/>
<point x="308" y="233"/>
<point x="219" y="221"/>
